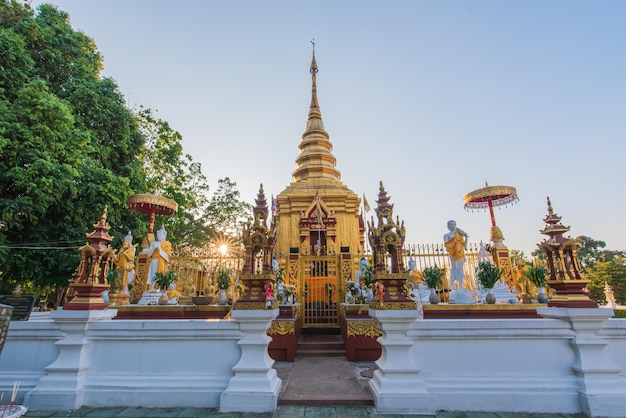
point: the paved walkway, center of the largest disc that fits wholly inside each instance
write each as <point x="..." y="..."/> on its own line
<point x="283" y="411"/>
<point x="313" y="387"/>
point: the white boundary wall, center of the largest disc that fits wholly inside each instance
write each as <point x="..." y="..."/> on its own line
<point x="551" y="364"/>
<point x="522" y="365"/>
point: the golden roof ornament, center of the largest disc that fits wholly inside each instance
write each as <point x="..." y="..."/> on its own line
<point x="316" y="160"/>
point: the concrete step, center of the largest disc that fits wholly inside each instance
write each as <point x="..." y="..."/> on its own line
<point x="320" y="353"/>
<point x="320" y="346"/>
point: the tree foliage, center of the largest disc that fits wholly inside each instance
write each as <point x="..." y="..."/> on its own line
<point x="611" y="272"/>
<point x="226" y="213"/>
<point x="68" y="146"/>
<point x="591" y="251"/>
<point x="602" y="267"/>
<point x="173" y="174"/>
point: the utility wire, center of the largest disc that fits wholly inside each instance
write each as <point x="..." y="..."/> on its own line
<point x="21" y="247"/>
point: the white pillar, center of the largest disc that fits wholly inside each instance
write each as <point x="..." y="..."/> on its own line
<point x="255" y="386"/>
<point x="62" y="387"/>
<point x="396" y="385"/>
<point x="602" y="389"/>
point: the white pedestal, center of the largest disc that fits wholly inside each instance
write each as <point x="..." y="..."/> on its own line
<point x="602" y="388"/>
<point x="396" y="385"/>
<point x="462" y="297"/>
<point x="255" y="386"/>
<point x="150" y="297"/>
<point x="62" y="387"/>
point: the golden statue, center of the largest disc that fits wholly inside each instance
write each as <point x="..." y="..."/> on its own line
<point x="125" y="262"/>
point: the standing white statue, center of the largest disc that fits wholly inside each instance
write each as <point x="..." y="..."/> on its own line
<point x="456" y="244"/>
<point x="159" y="253"/>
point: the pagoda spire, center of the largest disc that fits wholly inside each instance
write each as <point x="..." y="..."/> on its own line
<point x="260" y="211"/>
<point x="315" y="115"/>
<point x="316" y="160"/>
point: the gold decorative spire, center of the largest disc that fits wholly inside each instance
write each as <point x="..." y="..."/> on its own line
<point x="314" y="109"/>
<point x="316" y="160"/>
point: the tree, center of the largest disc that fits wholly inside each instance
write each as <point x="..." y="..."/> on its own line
<point x="591" y="251"/>
<point x="226" y="214"/>
<point x="65" y="136"/>
<point x="174" y="175"/>
<point x="611" y="272"/>
<point x="518" y="256"/>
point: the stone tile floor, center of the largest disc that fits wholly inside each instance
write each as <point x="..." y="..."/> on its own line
<point x="283" y="411"/>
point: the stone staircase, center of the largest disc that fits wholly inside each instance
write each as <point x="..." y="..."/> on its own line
<point x="320" y="345"/>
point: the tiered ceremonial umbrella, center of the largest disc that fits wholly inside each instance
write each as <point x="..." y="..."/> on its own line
<point x="152" y="205"/>
<point x="489" y="196"/>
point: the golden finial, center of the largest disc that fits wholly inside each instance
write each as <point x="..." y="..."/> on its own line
<point x="550" y="207"/>
<point x="313" y="63"/>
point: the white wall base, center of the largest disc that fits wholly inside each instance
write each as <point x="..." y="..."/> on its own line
<point x="255" y="386"/>
<point x="397" y="385"/>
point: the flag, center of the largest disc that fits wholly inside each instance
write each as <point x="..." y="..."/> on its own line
<point x="274" y="207"/>
<point x="366" y="205"/>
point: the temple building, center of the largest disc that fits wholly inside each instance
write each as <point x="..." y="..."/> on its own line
<point x="317" y="213"/>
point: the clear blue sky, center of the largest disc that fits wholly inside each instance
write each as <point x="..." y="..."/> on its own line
<point x="432" y="97"/>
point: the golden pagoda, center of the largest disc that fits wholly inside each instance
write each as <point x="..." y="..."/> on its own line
<point x="317" y="213"/>
<point x="319" y="229"/>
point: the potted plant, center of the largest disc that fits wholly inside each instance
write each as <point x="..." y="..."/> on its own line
<point x="367" y="276"/>
<point x="164" y="279"/>
<point x="113" y="278"/>
<point x="353" y="292"/>
<point x="280" y="275"/>
<point x="537" y="276"/>
<point x="488" y="275"/>
<point x="367" y="283"/>
<point x="432" y="278"/>
<point x="222" y="278"/>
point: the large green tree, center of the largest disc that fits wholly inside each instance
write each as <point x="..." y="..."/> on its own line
<point x="68" y="146"/>
<point x="173" y="174"/>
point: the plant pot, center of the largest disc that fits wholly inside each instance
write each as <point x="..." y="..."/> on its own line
<point x="490" y="298"/>
<point x="541" y="296"/>
<point x="433" y="298"/>
<point x="222" y="300"/>
<point x="201" y="300"/>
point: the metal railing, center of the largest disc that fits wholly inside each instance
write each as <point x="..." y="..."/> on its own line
<point x="194" y="271"/>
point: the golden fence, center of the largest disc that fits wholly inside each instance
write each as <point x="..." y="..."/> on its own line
<point x="194" y="271"/>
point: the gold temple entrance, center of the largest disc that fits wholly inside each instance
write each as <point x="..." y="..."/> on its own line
<point x="320" y="290"/>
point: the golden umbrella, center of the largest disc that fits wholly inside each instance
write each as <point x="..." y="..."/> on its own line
<point x="152" y="205"/>
<point x="490" y="196"/>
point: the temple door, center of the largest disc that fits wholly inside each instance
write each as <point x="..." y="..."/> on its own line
<point x="321" y="292"/>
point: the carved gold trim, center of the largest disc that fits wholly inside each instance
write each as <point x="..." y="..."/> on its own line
<point x="281" y="328"/>
<point x="364" y="328"/>
<point x="249" y="306"/>
<point x="399" y="306"/>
